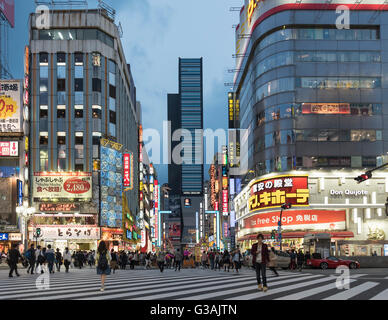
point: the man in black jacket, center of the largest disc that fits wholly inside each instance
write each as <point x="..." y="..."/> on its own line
<point x="31" y="259"/>
<point x="13" y="259"/>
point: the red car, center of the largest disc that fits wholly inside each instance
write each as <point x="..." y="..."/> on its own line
<point x="332" y="263"/>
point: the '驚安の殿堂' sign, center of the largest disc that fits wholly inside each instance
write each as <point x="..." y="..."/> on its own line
<point x="274" y="192"/>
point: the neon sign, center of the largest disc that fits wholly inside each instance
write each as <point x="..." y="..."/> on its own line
<point x="251" y="9"/>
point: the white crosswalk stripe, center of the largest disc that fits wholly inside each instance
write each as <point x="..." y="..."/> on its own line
<point x="381" y="296"/>
<point x="311" y="292"/>
<point x="190" y="284"/>
<point x="347" y="294"/>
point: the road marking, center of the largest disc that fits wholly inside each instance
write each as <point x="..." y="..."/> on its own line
<point x="381" y="296"/>
<point x="214" y="294"/>
<point x="308" y="293"/>
<point x="347" y="294"/>
<point x="282" y="289"/>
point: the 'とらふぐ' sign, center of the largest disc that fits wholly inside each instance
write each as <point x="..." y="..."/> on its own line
<point x="274" y="192"/>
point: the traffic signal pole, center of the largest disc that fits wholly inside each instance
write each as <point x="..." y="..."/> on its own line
<point x="280" y="228"/>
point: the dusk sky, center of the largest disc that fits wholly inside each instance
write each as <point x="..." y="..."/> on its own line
<point x="156" y="34"/>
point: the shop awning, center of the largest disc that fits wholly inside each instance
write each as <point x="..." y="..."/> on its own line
<point x="301" y="234"/>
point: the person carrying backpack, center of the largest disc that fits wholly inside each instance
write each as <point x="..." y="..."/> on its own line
<point x="30" y="256"/>
<point x="103" y="259"/>
<point x="50" y="257"/>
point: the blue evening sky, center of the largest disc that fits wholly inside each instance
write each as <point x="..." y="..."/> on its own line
<point x="156" y="33"/>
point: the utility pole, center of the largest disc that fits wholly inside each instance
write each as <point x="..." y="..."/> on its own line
<point x="285" y="206"/>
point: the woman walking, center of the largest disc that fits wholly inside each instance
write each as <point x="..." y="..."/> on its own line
<point x="103" y="260"/>
<point x="226" y="260"/>
<point x="237" y="258"/>
<point x="67" y="259"/>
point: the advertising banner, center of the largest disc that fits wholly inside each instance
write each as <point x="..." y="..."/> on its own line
<point x="69" y="232"/>
<point x="62" y="185"/>
<point x="297" y="220"/>
<point x="225" y="206"/>
<point x="10" y="106"/>
<point x="128" y="170"/>
<point x="59" y="207"/>
<point x="174" y="230"/>
<point x="9" y="149"/>
<point x="326" y="108"/>
<point x="111" y="187"/>
<point x="274" y="192"/>
<point x="7" y="7"/>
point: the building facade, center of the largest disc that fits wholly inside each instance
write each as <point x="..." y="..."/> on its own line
<point x="185" y="112"/>
<point x="83" y="113"/>
<point x="312" y="96"/>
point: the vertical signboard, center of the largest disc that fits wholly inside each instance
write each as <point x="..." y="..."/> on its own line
<point x="156" y="212"/>
<point x="111" y="181"/>
<point x="128" y="170"/>
<point x="7" y="7"/>
<point x="10" y="106"/>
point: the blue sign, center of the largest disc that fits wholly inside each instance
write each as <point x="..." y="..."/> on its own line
<point x="20" y="192"/>
<point x="129" y="235"/>
<point x="3" y="236"/>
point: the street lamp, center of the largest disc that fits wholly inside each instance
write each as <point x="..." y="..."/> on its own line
<point x="25" y="212"/>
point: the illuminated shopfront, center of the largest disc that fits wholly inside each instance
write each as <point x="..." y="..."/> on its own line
<point x="332" y="202"/>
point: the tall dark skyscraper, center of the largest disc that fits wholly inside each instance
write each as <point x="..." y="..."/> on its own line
<point x="185" y="111"/>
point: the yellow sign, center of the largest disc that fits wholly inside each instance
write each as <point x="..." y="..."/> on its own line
<point x="251" y="9"/>
<point x="8" y="107"/>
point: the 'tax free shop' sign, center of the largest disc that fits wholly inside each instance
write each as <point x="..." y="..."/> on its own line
<point x="274" y="192"/>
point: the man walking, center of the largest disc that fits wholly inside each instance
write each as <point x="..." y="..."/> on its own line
<point x="67" y="259"/>
<point x="178" y="260"/>
<point x="300" y="260"/>
<point x="212" y="257"/>
<point x="161" y="260"/>
<point x="260" y="260"/>
<point x="58" y="260"/>
<point x="13" y="259"/>
<point x="30" y="255"/>
<point x="50" y="258"/>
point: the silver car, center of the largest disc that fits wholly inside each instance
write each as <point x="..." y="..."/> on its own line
<point x="283" y="259"/>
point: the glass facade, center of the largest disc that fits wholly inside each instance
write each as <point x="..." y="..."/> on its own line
<point x="190" y="75"/>
<point x="298" y="80"/>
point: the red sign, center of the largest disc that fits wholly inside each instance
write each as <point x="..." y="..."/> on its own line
<point x="300" y="219"/>
<point x="326" y="108"/>
<point x="225" y="207"/>
<point x="216" y="206"/>
<point x="128" y="169"/>
<point x="156" y="209"/>
<point x="76" y="186"/>
<point x="141" y="152"/>
<point x="226" y="230"/>
<point x="9" y="149"/>
<point x="7" y="7"/>
<point x="276" y="191"/>
<point x="174" y="230"/>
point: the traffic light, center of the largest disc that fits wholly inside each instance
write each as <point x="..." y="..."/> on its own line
<point x="366" y="176"/>
<point x="286" y="206"/>
<point x="273" y="236"/>
<point x="38" y="232"/>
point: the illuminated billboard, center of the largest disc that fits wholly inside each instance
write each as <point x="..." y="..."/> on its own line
<point x="274" y="192"/>
<point x="111" y="184"/>
<point x="10" y="106"/>
<point x="325" y="108"/>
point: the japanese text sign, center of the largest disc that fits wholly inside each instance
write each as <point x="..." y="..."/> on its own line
<point x="274" y="192"/>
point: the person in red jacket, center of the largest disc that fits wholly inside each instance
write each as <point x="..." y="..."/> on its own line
<point x="260" y="259"/>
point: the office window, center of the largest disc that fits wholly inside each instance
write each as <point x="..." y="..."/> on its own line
<point x="112" y="104"/>
<point x="112" y="66"/>
<point x="96" y="85"/>
<point x="79" y="138"/>
<point x="79" y="167"/>
<point x="43" y="160"/>
<point x="62" y="151"/>
<point x="62" y="164"/>
<point x="112" y="117"/>
<point x="79" y="58"/>
<point x="61" y="138"/>
<point x="97" y="112"/>
<point x="44" y="139"/>
<point x="112" y="79"/>
<point x="43" y="112"/>
<point x="61" y="112"/>
<point x="112" y="91"/>
<point x="112" y="129"/>
<point x="79" y="112"/>
<point x="43" y="58"/>
<point x="43" y="85"/>
<point x="61" y="84"/>
<point x="61" y="57"/>
<point x="78" y="85"/>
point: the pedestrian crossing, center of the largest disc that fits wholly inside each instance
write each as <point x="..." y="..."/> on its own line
<point x="189" y="284"/>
